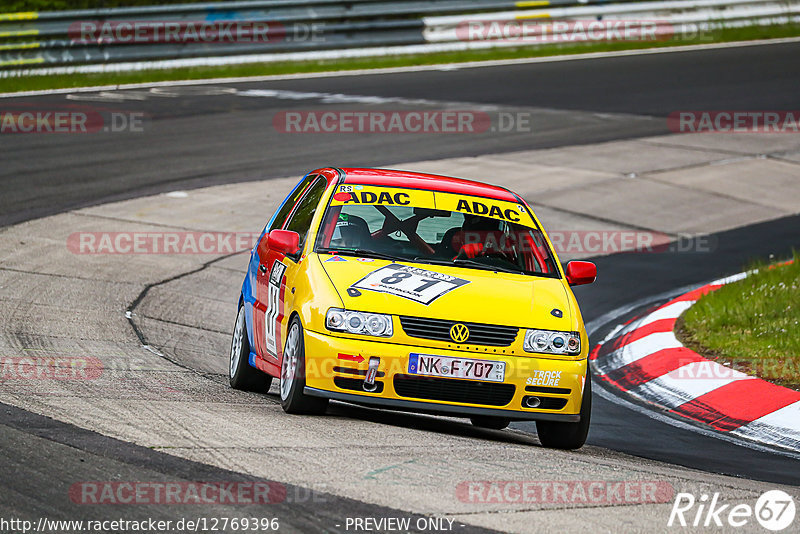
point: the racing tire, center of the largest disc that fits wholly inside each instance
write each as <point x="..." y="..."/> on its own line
<point x="241" y="374"/>
<point x="559" y="435"/>
<point x="293" y="379"/>
<point x="493" y="423"/>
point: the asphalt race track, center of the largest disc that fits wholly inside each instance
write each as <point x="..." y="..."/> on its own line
<point x="201" y="136"/>
<point x="206" y="140"/>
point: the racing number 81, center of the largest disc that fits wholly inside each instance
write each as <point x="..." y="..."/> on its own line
<point x="399" y="277"/>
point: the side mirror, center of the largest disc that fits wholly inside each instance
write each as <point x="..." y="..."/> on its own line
<point x="580" y="272"/>
<point x="284" y="242"/>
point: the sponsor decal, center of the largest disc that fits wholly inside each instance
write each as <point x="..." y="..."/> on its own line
<point x="351" y="357"/>
<point x="273" y="306"/>
<point x="484" y="209"/>
<point x="544" y="378"/>
<point x="502" y="210"/>
<point x="335" y="258"/>
<point x="368" y="197"/>
<point x="419" y="285"/>
<point x="381" y="196"/>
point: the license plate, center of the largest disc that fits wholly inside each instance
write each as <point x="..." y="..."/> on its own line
<point x="428" y="364"/>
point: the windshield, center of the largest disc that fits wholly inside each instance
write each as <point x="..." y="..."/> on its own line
<point x="403" y="225"/>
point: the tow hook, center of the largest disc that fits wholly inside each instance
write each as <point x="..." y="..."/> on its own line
<point x="372" y="372"/>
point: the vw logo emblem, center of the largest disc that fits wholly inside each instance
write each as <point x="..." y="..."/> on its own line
<point x="459" y="333"/>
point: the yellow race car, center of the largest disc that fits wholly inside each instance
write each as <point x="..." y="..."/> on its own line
<point x="415" y="292"/>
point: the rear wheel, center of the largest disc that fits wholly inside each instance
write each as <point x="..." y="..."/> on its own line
<point x="240" y="373"/>
<point x="558" y="435"/>
<point x="293" y="375"/>
<point x="485" y="421"/>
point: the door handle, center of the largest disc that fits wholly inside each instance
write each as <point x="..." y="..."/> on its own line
<point x="262" y="268"/>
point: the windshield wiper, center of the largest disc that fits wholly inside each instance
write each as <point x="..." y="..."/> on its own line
<point x="471" y="263"/>
<point x="361" y="252"/>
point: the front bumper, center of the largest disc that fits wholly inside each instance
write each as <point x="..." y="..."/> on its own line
<point x="331" y="372"/>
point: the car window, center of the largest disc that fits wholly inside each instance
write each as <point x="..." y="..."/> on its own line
<point x="300" y="220"/>
<point x="434" y="229"/>
<point x="426" y="235"/>
<point x="286" y="208"/>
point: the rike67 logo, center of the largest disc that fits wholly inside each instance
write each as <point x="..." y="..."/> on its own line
<point x="774" y="510"/>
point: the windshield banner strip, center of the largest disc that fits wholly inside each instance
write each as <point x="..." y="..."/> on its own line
<point x="348" y="194"/>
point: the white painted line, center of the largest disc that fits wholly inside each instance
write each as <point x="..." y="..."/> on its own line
<point x="415" y="68"/>
<point x="729" y="279"/>
<point x="685" y="425"/>
<point x="781" y="427"/>
<point x="687" y="383"/>
<point x="668" y="311"/>
<point x="637" y="350"/>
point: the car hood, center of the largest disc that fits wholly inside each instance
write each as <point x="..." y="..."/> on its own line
<point x="469" y="295"/>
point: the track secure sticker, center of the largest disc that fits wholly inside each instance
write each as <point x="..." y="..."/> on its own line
<point x="544" y="378"/>
<point x="413" y="283"/>
<point x="273" y="305"/>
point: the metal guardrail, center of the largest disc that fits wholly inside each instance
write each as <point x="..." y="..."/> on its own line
<point x="54" y="38"/>
<point x="265" y="29"/>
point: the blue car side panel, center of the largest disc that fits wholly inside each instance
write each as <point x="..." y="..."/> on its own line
<point x="248" y="296"/>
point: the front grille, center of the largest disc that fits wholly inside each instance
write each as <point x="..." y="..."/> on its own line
<point x="453" y="390"/>
<point x="542" y="389"/>
<point x="479" y="334"/>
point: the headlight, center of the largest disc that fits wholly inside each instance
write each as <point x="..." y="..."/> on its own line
<point x="552" y="342"/>
<point x="352" y="322"/>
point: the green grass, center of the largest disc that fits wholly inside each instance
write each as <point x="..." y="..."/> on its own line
<point x="30" y="83"/>
<point x="752" y="325"/>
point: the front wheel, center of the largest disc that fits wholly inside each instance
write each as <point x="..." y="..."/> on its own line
<point x="558" y="435"/>
<point x="293" y="375"/>
<point x="240" y="373"/>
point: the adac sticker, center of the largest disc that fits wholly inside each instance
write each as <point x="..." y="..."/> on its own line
<point x="335" y="258"/>
<point x="485" y="207"/>
<point x="413" y="283"/>
<point x="382" y="196"/>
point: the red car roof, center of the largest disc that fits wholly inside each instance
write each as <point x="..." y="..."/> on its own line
<point x="431" y="182"/>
